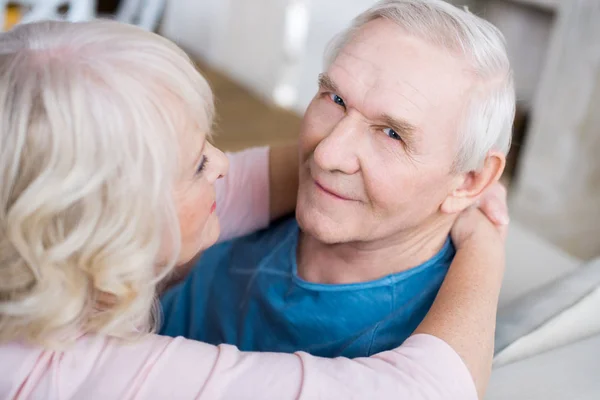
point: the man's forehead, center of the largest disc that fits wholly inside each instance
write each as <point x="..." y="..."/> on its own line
<point x="403" y="76"/>
<point x="370" y="86"/>
<point x="383" y="55"/>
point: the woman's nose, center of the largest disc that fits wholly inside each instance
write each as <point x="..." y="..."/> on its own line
<point x="221" y="163"/>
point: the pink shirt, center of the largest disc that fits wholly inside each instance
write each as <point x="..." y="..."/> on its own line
<point x="158" y="367"/>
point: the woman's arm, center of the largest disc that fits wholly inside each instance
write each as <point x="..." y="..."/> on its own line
<point x="262" y="185"/>
<point x="441" y="364"/>
<point x="158" y="367"/>
<point x="283" y="179"/>
<point x="449" y="356"/>
<point x="464" y="312"/>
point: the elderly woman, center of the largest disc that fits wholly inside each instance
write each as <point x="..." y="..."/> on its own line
<point x="108" y="183"/>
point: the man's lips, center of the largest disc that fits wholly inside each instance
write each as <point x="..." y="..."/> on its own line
<point x="330" y="192"/>
<point x="213" y="208"/>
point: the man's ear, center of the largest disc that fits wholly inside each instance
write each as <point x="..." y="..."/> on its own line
<point x="472" y="184"/>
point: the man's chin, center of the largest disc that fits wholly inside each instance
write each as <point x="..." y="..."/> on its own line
<point x="322" y="229"/>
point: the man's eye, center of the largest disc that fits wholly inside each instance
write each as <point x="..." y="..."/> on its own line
<point x="337" y="100"/>
<point x="392" y="133"/>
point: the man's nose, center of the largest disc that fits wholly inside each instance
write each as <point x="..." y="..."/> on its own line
<point x="338" y="151"/>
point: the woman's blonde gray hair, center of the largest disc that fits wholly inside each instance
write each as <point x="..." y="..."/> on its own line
<point x="90" y="114"/>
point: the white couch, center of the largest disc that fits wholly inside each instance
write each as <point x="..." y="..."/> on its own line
<point x="531" y="263"/>
<point x="567" y="373"/>
<point x="558" y="359"/>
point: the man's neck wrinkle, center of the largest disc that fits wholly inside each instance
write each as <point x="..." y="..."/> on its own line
<point x="362" y="262"/>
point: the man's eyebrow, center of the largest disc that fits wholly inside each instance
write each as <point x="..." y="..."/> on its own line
<point x="399" y="126"/>
<point x="326" y="83"/>
<point x="405" y="129"/>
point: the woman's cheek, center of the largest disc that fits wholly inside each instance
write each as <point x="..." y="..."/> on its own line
<point x="194" y="211"/>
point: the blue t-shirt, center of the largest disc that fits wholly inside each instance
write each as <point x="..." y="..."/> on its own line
<point x="246" y="292"/>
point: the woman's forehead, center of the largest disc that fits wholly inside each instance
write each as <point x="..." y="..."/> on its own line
<point x="192" y="140"/>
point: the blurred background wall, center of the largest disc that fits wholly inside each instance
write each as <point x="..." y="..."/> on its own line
<point x="275" y="47"/>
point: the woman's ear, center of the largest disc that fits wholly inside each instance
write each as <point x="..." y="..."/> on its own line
<point x="472" y="184"/>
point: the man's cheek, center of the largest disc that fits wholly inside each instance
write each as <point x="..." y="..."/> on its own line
<point x="384" y="183"/>
<point x="317" y="126"/>
<point x="309" y="141"/>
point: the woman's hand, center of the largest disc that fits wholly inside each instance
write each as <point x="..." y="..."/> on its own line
<point x="489" y="221"/>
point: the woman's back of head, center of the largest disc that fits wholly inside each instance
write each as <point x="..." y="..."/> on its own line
<point x="90" y="118"/>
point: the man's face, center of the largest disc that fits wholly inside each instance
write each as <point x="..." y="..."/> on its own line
<point x="379" y="139"/>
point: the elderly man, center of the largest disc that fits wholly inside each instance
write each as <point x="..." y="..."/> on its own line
<point x="411" y="123"/>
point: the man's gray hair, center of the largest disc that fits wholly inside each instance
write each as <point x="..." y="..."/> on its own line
<point x="488" y="123"/>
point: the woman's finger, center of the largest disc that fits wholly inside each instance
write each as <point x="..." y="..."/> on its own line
<point x="493" y="204"/>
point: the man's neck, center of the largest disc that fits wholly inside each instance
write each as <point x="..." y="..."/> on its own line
<point x="366" y="261"/>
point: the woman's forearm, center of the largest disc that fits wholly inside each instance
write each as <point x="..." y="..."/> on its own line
<point x="283" y="179"/>
<point x="464" y="312"/>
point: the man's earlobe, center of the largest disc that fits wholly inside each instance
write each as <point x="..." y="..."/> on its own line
<point x="474" y="183"/>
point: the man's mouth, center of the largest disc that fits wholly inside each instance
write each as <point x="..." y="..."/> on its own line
<point x="330" y="192"/>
